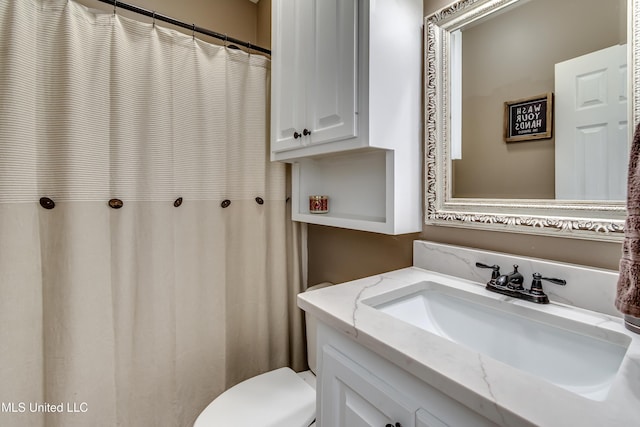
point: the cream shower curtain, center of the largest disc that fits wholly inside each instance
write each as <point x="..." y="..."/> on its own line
<point x="136" y="316"/>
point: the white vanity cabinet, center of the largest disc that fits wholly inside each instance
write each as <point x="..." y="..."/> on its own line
<point x="346" y="109"/>
<point x="358" y="388"/>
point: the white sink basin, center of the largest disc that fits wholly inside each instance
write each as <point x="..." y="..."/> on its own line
<point x="578" y="356"/>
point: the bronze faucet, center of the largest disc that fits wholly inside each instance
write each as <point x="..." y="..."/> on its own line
<point x="512" y="284"/>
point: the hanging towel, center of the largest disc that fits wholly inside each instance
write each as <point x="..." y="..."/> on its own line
<point x="628" y="293"/>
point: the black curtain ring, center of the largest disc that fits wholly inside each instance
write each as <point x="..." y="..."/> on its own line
<point x="225" y="203"/>
<point x="115" y="5"/>
<point x="193" y="33"/>
<point x="260" y="200"/>
<point x="178" y="202"/>
<point x="154" y="19"/>
<point x="47" y="203"/>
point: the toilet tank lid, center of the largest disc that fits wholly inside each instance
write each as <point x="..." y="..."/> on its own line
<point x="319" y="286"/>
<point x="273" y="399"/>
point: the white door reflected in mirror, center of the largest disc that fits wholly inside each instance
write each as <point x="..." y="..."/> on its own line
<point x="592" y="143"/>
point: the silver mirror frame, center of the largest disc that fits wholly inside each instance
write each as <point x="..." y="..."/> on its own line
<point x="589" y="220"/>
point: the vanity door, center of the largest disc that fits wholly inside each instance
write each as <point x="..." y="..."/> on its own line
<point x="357" y="388"/>
<point x="353" y="397"/>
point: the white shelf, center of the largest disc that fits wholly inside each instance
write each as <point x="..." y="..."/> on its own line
<point x="361" y="186"/>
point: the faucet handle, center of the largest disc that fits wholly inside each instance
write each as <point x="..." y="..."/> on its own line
<point x="496" y="269"/>
<point x="536" y="284"/>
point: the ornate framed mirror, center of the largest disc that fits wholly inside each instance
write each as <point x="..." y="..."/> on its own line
<point x="484" y="55"/>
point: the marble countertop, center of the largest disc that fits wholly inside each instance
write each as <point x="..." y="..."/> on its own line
<point x="501" y="393"/>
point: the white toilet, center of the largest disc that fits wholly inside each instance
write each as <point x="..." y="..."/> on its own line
<point x="279" y="398"/>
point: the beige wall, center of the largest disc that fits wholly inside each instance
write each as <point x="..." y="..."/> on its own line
<point x="339" y="255"/>
<point x="264" y="23"/>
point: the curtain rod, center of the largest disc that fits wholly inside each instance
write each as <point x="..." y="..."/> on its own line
<point x="181" y="24"/>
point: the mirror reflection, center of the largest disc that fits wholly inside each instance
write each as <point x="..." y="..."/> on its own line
<point x="575" y="50"/>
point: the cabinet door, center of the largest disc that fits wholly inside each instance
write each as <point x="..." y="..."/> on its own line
<point x="289" y="71"/>
<point x="332" y="104"/>
<point x="354" y="397"/>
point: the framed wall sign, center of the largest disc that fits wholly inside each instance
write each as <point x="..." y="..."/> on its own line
<point x="528" y="118"/>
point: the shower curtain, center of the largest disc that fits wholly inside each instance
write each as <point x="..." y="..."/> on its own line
<point x="146" y="259"/>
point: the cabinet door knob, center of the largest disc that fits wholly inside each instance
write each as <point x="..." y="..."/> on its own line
<point x="297" y="135"/>
<point x="306" y="132"/>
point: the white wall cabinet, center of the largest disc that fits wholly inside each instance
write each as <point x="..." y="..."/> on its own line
<point x="314" y="80"/>
<point x="358" y="388"/>
<point x="346" y="109"/>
